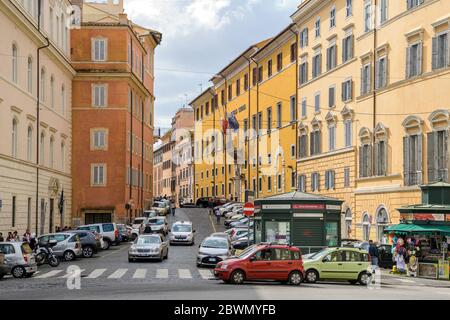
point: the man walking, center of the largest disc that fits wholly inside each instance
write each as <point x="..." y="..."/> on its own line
<point x="217" y="213"/>
<point x="374" y="255"/>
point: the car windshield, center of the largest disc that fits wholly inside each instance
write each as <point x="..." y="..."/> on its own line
<point x="156" y="221"/>
<point x="159" y="205"/>
<point x="248" y="252"/>
<point x="320" y="253"/>
<point x="149" y="214"/>
<point x="138" y="221"/>
<point x="148" y="240"/>
<point x="218" y="243"/>
<point x="182" y="228"/>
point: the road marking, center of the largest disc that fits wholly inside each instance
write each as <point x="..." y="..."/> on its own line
<point x="162" y="274"/>
<point x="210" y="219"/>
<point x="184" y="274"/>
<point x="406" y="281"/>
<point x="206" y="274"/>
<point x="49" y="274"/>
<point x="114" y="252"/>
<point x="140" y="274"/>
<point x="119" y="273"/>
<point x="96" y="273"/>
<point x="67" y="275"/>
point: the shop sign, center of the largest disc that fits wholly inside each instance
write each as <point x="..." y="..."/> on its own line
<point x="309" y="206"/>
<point x="407" y="216"/>
<point x="276" y="206"/>
<point x="447" y="217"/>
<point x="333" y="207"/>
<point x="308" y="215"/>
<point x="428" y="216"/>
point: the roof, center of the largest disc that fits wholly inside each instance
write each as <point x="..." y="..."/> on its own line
<point x="437" y="185"/>
<point x="424" y="207"/>
<point x="405" y="228"/>
<point x="298" y="196"/>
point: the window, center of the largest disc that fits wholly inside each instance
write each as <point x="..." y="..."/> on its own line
<point x="413" y="3"/>
<point x="412" y="158"/>
<point x="315" y="182"/>
<point x="14" y="207"/>
<point x="63" y="100"/>
<point x="293" y="151"/>
<point x="365" y="161"/>
<point x="437" y="156"/>
<point x="293" y="109"/>
<point x="259" y="184"/>
<point x="279" y="62"/>
<point x="302" y="183"/>
<point x="348" y="133"/>
<point x="331" y="57"/>
<point x="367" y="16"/>
<point x="382" y="223"/>
<point x="293" y="177"/>
<point x="30" y="75"/>
<point x="293" y="52"/>
<point x="14" y="63"/>
<point x="254" y="77"/>
<point x="269" y="68"/>
<point x="347" y="48"/>
<point x="304" y="107"/>
<point x="414" y="60"/>
<point x="383" y="10"/>
<point x="14" y="138"/>
<point x="317" y="65"/>
<point x="99" y="139"/>
<point x="269" y="120"/>
<point x="303" y="77"/>
<point x="317" y="102"/>
<point x="304" y="38"/>
<point x="279" y="115"/>
<point x="30" y="143"/>
<point x="380" y="158"/>
<point x="230" y="92"/>
<point x="260" y="74"/>
<point x="52" y="92"/>
<point x="348" y="8"/>
<point x="315" y="145"/>
<point x="269" y="183"/>
<point x="347" y="177"/>
<point x="366" y="82"/>
<point x="441" y="54"/>
<point x="99" y="50"/>
<point x="42" y="149"/>
<point x="279" y="182"/>
<point x="317" y="27"/>
<point x="303" y="145"/>
<point x="260" y="122"/>
<point x="347" y="90"/>
<point x="381" y="73"/>
<point x="52" y="152"/>
<point x="333" y="17"/>
<point x="63" y="156"/>
<point x="246" y="82"/>
<point x="329" y="179"/>
<point x="332" y="137"/>
<point x="99" y="96"/>
<point x="98" y="175"/>
<point x="238" y="88"/>
<point x="366" y="227"/>
<point x="332" y="97"/>
<point x="222" y="99"/>
<point x="254" y="184"/>
<point x="51" y="23"/>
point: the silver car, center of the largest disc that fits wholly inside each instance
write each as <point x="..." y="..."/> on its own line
<point x="213" y="250"/>
<point x="19" y="259"/>
<point x="68" y="245"/>
<point x="149" y="247"/>
<point x="182" y="233"/>
<point x="159" y="224"/>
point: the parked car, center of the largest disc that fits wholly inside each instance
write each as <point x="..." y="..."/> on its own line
<point x="213" y="250"/>
<point x="90" y="243"/>
<point x="148" y="247"/>
<point x="234" y="219"/>
<point x="385" y="258"/>
<point x="221" y="235"/>
<point x="232" y="210"/>
<point x="349" y="264"/>
<point x="263" y="262"/>
<point x="109" y="231"/>
<point x="242" y="243"/>
<point x="159" y="224"/>
<point x="4" y="269"/>
<point x="161" y="207"/>
<point x="186" y="203"/>
<point x="182" y="233"/>
<point x="224" y="208"/>
<point x="242" y="223"/>
<point x="138" y="222"/>
<point x="19" y="258"/>
<point x="150" y="213"/>
<point x="236" y="211"/>
<point x="239" y="233"/>
<point x="124" y="232"/>
<point x="68" y="245"/>
<point x="202" y="202"/>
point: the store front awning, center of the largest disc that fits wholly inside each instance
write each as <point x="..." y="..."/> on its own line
<point x="405" y="228"/>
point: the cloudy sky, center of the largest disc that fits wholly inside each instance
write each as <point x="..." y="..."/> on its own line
<point x="200" y="37"/>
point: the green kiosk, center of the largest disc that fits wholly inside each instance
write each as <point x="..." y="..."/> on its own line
<point x="308" y="221"/>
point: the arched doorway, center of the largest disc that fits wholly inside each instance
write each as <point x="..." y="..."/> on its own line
<point x="366" y="227"/>
<point x="348" y="223"/>
<point x="382" y="224"/>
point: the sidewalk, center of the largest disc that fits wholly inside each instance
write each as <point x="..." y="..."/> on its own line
<point x="395" y="279"/>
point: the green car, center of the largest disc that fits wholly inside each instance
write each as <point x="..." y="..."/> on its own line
<point x="348" y="264"/>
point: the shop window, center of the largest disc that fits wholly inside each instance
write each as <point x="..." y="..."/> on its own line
<point x="382" y="224"/>
<point x="348" y="223"/>
<point x="366" y="227"/>
<point x="278" y="232"/>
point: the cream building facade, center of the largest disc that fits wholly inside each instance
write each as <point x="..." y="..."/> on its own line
<point x="35" y="151"/>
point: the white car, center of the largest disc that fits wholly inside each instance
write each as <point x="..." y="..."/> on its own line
<point x="237" y="210"/>
<point x="182" y="233"/>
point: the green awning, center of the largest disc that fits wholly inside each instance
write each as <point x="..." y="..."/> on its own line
<point x="405" y="228"/>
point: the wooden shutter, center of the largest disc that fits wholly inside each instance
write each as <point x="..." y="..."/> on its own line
<point x="369" y="160"/>
<point x="419" y="59"/>
<point x="318" y="181"/>
<point x="432" y="156"/>
<point x="377" y="74"/>
<point x="419" y="158"/>
<point x="406" y="160"/>
<point x="385" y="158"/>
<point x="362" y="81"/>
<point x="335" y="56"/>
<point x="352" y="40"/>
<point x="376" y="158"/>
<point x="435" y="53"/>
<point x="408" y="62"/>
<point x="319" y="141"/>
<point x="311" y="144"/>
<point x="369" y="79"/>
<point x="361" y="161"/>
<point x="327" y="180"/>
<point x="446" y="156"/>
<point x="344" y="50"/>
<point x="319" y="71"/>
<point x="446" y="50"/>
<point x="343" y="91"/>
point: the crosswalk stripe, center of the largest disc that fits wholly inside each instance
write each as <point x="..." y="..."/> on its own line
<point x="119" y="273"/>
<point x="205" y="274"/>
<point x="406" y="281"/>
<point x="184" y="274"/>
<point x="162" y="273"/>
<point x="96" y="273"/>
<point x="67" y="275"/>
<point x="49" y="274"/>
<point x="140" y="274"/>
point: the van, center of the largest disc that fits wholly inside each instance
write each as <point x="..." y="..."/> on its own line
<point x="109" y="231"/>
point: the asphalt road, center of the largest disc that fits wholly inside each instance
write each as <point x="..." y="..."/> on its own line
<point x="109" y="276"/>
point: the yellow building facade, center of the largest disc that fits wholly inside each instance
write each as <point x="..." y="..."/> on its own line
<point x="363" y="89"/>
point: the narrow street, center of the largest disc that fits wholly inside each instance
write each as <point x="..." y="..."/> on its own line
<point x="109" y="276"/>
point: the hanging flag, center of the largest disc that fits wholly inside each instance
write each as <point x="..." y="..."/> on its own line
<point x="61" y="202"/>
<point x="224" y="125"/>
<point x="233" y="123"/>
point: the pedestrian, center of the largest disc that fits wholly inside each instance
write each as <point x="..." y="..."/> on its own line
<point x="33" y="241"/>
<point x="9" y="238"/>
<point x="16" y="237"/>
<point x="172" y="207"/>
<point x="57" y="229"/>
<point x="27" y="236"/>
<point x="1" y="237"/>
<point x="374" y="255"/>
<point x="400" y="253"/>
<point x="218" y="216"/>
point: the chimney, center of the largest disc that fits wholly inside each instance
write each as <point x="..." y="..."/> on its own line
<point x="123" y="18"/>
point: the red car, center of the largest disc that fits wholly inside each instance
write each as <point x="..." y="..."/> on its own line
<point x="263" y="262"/>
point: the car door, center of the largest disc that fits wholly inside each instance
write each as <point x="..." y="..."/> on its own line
<point x="61" y="245"/>
<point x="261" y="267"/>
<point x="10" y="254"/>
<point x="332" y="265"/>
<point x="281" y="264"/>
<point x="352" y="265"/>
<point x="108" y="230"/>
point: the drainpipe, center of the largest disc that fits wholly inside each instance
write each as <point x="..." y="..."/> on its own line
<point x="296" y="106"/>
<point x="131" y="136"/>
<point x="224" y="150"/>
<point x="248" y="121"/>
<point x="142" y="159"/>
<point x="374" y="94"/>
<point x="38" y="98"/>
<point x="258" y="126"/>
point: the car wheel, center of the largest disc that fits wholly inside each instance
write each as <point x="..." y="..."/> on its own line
<point x="69" y="255"/>
<point x="18" y="272"/>
<point x="312" y="276"/>
<point x="88" y="252"/>
<point x="40" y="258"/>
<point x="364" y="278"/>
<point x="295" y="278"/>
<point x="237" y="277"/>
<point x="107" y="244"/>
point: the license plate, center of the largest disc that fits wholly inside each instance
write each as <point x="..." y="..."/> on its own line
<point x="212" y="259"/>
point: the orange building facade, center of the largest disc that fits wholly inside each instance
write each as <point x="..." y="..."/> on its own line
<point x="113" y="112"/>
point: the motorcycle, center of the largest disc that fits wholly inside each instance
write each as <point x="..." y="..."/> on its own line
<point x="44" y="254"/>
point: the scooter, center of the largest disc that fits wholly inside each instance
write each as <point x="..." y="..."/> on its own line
<point x="45" y="254"/>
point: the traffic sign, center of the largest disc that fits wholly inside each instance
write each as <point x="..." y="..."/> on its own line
<point x="249" y="209"/>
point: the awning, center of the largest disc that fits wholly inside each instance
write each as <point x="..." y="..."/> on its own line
<point x="405" y="228"/>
